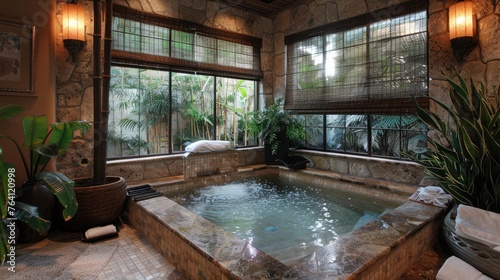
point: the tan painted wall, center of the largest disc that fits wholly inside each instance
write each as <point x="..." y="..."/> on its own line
<point x="42" y="101"/>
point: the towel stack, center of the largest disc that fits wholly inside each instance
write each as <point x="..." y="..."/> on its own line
<point x="456" y="269"/>
<point x="478" y="225"/>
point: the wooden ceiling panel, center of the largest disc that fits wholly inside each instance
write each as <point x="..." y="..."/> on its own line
<point x="267" y="8"/>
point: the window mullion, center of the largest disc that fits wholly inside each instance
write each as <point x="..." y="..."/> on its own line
<point x="369" y="133"/>
<point x="368" y="87"/>
<point x="324" y="62"/>
<point x="214" y="108"/>
<point x="368" y="63"/>
<point x="170" y="113"/>
<point x="324" y="132"/>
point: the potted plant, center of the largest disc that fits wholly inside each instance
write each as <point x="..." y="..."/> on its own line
<point x="465" y="160"/>
<point x="6" y="168"/>
<point x="277" y="128"/>
<point x="34" y="200"/>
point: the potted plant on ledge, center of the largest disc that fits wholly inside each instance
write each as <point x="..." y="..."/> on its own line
<point x="278" y="129"/>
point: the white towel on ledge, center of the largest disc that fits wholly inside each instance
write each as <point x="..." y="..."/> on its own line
<point x="434" y="195"/>
<point x="456" y="269"/>
<point x="205" y="146"/>
<point x="478" y="225"/>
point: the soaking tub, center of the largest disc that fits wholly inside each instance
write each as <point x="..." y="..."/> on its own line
<point x="382" y="248"/>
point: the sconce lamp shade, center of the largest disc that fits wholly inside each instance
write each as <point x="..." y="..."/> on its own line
<point x="73" y="21"/>
<point x="462" y="23"/>
<point x="73" y="28"/>
<point x="461" y="19"/>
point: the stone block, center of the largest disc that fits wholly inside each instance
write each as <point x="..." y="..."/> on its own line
<point x="396" y="172"/>
<point x="438" y="23"/>
<point x="321" y="162"/>
<point x="359" y="169"/>
<point x="339" y="165"/>
<point x="348" y="9"/>
<point x="131" y="172"/>
<point x="493" y="78"/>
<point x="489" y="32"/>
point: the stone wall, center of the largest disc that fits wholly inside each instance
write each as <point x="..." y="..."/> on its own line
<point x="481" y="63"/>
<point x="206" y="164"/>
<point x="184" y="166"/>
<point x="360" y="166"/>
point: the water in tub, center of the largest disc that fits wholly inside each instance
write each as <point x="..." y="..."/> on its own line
<point x="284" y="218"/>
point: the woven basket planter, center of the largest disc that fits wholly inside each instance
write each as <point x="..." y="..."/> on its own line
<point x="97" y="205"/>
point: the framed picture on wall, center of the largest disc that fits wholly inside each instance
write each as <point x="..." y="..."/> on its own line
<point x="17" y="42"/>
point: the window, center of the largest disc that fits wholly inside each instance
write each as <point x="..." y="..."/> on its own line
<point x="375" y="67"/>
<point x="353" y="82"/>
<point x="174" y="82"/>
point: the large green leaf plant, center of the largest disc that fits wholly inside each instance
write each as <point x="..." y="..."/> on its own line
<point x="6" y="169"/>
<point x="269" y="122"/>
<point x="43" y="141"/>
<point x="466" y="158"/>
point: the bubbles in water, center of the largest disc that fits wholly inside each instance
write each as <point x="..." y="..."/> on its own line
<point x="271" y="229"/>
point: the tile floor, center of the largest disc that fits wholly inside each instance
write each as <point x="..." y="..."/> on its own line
<point x="135" y="257"/>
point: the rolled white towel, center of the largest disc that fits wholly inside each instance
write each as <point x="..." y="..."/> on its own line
<point x="205" y="146"/>
<point x="456" y="269"/>
<point x="478" y="225"/>
<point x="100" y="231"/>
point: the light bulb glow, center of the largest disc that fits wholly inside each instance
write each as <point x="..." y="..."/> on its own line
<point x="73" y="22"/>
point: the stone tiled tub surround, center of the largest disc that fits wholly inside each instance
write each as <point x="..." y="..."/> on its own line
<point x="382" y="249"/>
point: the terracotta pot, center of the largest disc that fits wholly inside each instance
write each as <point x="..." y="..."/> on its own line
<point x="37" y="195"/>
<point x="97" y="205"/>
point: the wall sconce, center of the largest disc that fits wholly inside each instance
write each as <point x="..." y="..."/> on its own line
<point x="73" y="27"/>
<point x="462" y="23"/>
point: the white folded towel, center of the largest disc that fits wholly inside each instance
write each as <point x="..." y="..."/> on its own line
<point x="434" y="195"/>
<point x="478" y="225"/>
<point x="456" y="269"/>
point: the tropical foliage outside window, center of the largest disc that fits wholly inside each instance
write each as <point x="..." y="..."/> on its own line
<point x="148" y="118"/>
<point x="389" y="136"/>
